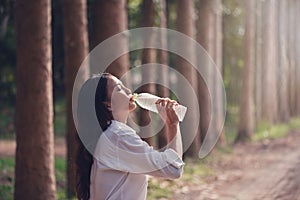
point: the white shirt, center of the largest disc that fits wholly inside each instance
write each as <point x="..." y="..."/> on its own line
<point x="122" y="161"/>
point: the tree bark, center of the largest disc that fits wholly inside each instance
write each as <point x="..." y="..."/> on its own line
<point x="162" y="56"/>
<point x="206" y="37"/>
<point x="269" y="63"/>
<point x="76" y="49"/>
<point x="148" y="56"/>
<point x="185" y="25"/>
<point x="297" y="43"/>
<point x="217" y="9"/>
<point x="109" y="17"/>
<point x="246" y="114"/>
<point x="283" y="62"/>
<point x="34" y="169"/>
<point x="210" y="37"/>
<point x="292" y="57"/>
<point x="258" y="73"/>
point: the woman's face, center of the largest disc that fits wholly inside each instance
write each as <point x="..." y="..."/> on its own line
<point x="121" y="99"/>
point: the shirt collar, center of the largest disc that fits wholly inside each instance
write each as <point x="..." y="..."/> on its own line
<point x="121" y="125"/>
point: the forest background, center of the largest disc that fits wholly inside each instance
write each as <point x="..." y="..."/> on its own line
<point x="254" y="44"/>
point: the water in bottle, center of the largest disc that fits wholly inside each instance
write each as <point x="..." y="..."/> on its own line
<point x="147" y="101"/>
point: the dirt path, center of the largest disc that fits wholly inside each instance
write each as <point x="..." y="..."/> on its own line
<point x="267" y="170"/>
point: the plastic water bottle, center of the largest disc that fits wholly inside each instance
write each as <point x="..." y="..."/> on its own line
<point x="147" y="101"/>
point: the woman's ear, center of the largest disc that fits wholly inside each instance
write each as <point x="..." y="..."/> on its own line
<point x="108" y="105"/>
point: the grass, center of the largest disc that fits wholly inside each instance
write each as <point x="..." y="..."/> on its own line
<point x="266" y="131"/>
<point x="7" y="165"/>
<point x="7" y="178"/>
<point x="195" y="169"/>
<point x="194" y="173"/>
<point x="159" y="188"/>
<point x="60" y="117"/>
<point x="263" y="131"/>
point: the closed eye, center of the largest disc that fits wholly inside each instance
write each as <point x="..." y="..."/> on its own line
<point x="118" y="88"/>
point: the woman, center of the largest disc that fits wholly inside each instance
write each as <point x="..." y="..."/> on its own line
<point x="122" y="161"/>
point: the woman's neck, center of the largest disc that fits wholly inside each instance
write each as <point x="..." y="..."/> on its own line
<point x="121" y="117"/>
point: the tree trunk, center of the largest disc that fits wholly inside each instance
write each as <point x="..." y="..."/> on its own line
<point x="258" y="74"/>
<point x="292" y="57"/>
<point x="217" y="9"/>
<point x="269" y="64"/>
<point x="109" y="17"/>
<point x="185" y="24"/>
<point x="246" y="119"/>
<point x="148" y="56"/>
<point x="297" y="42"/>
<point x="34" y="169"/>
<point x="283" y="61"/>
<point x="163" y="91"/>
<point x="205" y="36"/>
<point x="76" y="49"/>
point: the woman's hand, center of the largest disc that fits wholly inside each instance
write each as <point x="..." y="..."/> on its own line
<point x="165" y="107"/>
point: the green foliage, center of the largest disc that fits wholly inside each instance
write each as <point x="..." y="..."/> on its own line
<point x="273" y="132"/>
<point x="194" y="172"/>
<point x="60" y="117"/>
<point x="8" y="67"/>
<point x="196" y="169"/>
<point x="294" y="123"/>
<point x="6" y="178"/>
<point x="60" y="174"/>
<point x="159" y="188"/>
<point x="7" y="128"/>
<point x="60" y="169"/>
<point x="231" y="121"/>
<point x="266" y="131"/>
<point x="134" y="12"/>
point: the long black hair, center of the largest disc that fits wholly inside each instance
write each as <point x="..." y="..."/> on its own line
<point x="104" y="116"/>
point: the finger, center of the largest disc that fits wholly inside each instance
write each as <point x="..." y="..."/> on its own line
<point x="164" y="102"/>
<point x="159" y="101"/>
<point x="169" y="104"/>
<point x="173" y="101"/>
<point x="173" y="104"/>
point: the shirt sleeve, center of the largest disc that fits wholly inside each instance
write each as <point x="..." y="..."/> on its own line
<point x="127" y="152"/>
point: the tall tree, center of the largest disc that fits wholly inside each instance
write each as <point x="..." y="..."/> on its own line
<point x="269" y="63"/>
<point x="205" y="36"/>
<point x="148" y="56"/>
<point x="297" y="42"/>
<point x="292" y="56"/>
<point x="246" y="114"/>
<point x="209" y="26"/>
<point x="218" y="58"/>
<point x="283" y="61"/>
<point x="162" y="57"/>
<point x="34" y="169"/>
<point x="186" y="25"/>
<point x="258" y="63"/>
<point x="110" y="18"/>
<point x="76" y="49"/>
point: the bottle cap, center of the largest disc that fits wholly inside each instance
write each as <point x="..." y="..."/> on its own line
<point x="134" y="97"/>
